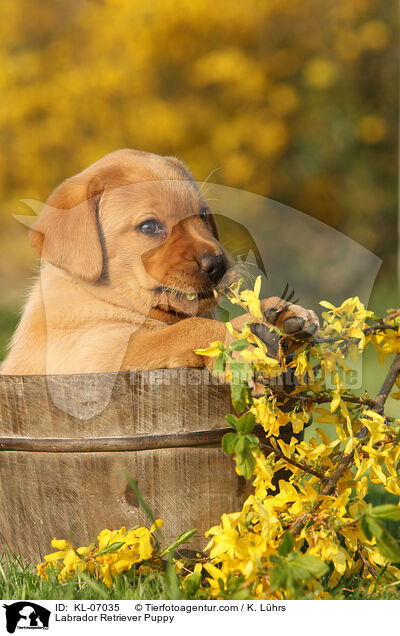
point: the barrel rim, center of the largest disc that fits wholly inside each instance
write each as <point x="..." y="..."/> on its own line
<point x="199" y="438"/>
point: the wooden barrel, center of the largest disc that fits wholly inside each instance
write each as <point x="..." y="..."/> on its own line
<point x="68" y="442"/>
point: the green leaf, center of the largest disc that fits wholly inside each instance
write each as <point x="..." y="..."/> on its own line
<point x="388" y="546"/>
<point x="183" y="538"/>
<point x="239" y="345"/>
<point x="241" y="372"/>
<point x="192" y="583"/>
<point x="298" y="572"/>
<point x="365" y="528"/>
<point x="246" y="422"/>
<point x="376" y="528"/>
<point x="252" y="440"/>
<point x="287" y="544"/>
<point x="229" y="441"/>
<point x="387" y="511"/>
<point x="312" y="564"/>
<point x="278" y="576"/>
<point x="240" y="403"/>
<point x="171" y="581"/>
<point x="240" y="395"/>
<point x="241" y="444"/>
<point x="241" y="595"/>
<point x="220" y="363"/>
<point x="231" y="420"/>
<point x="245" y="463"/>
<point x="236" y="389"/>
<point x="112" y="548"/>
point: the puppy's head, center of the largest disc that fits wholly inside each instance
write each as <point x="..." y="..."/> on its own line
<point x="136" y="227"/>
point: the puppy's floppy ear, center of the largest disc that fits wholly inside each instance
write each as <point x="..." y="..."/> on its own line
<point x="66" y="233"/>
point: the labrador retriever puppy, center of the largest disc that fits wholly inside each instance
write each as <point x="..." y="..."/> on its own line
<point x="130" y="261"/>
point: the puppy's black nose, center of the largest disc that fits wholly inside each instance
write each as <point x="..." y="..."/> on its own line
<point x="214" y="265"/>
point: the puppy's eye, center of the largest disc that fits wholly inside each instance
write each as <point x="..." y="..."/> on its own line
<point x="151" y="227"/>
<point x="203" y="214"/>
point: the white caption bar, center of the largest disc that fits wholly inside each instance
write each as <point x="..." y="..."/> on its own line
<point x="177" y="617"/>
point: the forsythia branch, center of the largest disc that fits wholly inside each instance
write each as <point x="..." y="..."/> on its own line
<point x="348" y="458"/>
<point x="387" y="385"/>
<point x="380" y="326"/>
<point x="323" y="399"/>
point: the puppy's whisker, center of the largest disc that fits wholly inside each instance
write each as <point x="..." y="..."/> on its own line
<point x="249" y="264"/>
<point x="245" y="271"/>
<point x="213" y="171"/>
<point x="245" y="274"/>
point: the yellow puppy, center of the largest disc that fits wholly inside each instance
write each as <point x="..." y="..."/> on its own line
<point x="130" y="259"/>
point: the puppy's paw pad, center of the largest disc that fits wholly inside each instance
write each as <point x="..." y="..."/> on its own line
<point x="291" y="319"/>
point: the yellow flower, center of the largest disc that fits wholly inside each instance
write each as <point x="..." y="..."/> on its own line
<point x="251" y="299"/>
<point x="41" y="567"/>
<point x="212" y="351"/>
<point x="215" y="574"/>
<point x="117" y="551"/>
<point x="362" y="487"/>
<point x="157" y="525"/>
<point x="143" y="536"/>
<point x="303" y="367"/>
<point x="106" y="575"/>
<point x="61" y="544"/>
<point x="298" y="420"/>
<point x="393" y="486"/>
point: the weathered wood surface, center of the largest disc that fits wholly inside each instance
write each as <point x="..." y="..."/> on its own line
<point x="76" y="493"/>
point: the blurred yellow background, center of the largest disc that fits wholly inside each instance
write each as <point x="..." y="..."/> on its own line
<point x="292" y="99"/>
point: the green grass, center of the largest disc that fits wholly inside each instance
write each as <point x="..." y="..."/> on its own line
<point x="18" y="581"/>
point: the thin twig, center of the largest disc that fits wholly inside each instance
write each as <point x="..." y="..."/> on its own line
<point x="380" y="326"/>
<point x="367" y="566"/>
<point x="304" y="467"/>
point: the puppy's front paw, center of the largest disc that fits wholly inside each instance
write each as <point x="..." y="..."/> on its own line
<point x="291" y="319"/>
